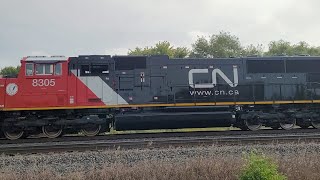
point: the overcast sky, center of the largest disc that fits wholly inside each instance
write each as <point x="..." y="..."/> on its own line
<point x="78" y="27"/>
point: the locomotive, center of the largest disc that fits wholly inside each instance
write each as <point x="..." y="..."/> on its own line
<point x="94" y="93"/>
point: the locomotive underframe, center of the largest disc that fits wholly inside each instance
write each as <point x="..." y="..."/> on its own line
<point x="54" y="123"/>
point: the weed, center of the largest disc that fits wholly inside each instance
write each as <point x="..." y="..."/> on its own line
<point x="259" y="167"/>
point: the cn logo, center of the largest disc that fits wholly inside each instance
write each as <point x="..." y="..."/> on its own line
<point x="215" y="72"/>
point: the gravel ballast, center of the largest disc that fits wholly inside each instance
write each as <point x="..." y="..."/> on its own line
<point x="74" y="161"/>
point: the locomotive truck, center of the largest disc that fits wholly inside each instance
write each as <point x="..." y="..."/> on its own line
<point x="93" y="93"/>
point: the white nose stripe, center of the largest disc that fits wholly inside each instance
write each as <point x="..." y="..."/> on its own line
<point x="102" y="90"/>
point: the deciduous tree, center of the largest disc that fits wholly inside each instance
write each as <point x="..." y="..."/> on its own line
<point x="161" y="48"/>
<point x="223" y="45"/>
<point x="10" y="71"/>
<point x="282" y="47"/>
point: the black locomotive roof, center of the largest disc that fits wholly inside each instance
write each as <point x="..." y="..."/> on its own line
<point x="125" y="62"/>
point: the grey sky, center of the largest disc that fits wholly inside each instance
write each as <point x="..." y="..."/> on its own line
<point x="75" y="27"/>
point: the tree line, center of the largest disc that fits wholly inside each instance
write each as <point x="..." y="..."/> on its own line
<point x="224" y="45"/>
<point x="220" y="45"/>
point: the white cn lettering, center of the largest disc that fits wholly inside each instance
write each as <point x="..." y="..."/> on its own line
<point x="196" y="71"/>
<point x="215" y="72"/>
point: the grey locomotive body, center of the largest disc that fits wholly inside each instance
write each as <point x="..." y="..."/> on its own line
<point x="245" y="92"/>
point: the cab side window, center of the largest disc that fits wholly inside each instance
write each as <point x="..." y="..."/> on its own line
<point x="58" y="69"/>
<point x="29" y="69"/>
<point x="48" y="69"/>
<point x="44" y="69"/>
<point x="39" y="69"/>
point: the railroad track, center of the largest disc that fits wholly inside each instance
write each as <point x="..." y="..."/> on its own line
<point x="64" y="138"/>
<point x="158" y="142"/>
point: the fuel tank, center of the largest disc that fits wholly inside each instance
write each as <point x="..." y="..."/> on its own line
<point x="173" y="118"/>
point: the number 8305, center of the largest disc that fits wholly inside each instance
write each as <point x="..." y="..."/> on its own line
<point x="43" y="82"/>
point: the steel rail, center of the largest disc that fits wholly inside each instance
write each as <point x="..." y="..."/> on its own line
<point x="70" y="146"/>
<point x="66" y="138"/>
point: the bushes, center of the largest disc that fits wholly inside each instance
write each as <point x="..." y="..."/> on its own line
<point x="260" y="168"/>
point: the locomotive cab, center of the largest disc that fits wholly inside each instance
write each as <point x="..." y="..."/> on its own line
<point x="39" y="76"/>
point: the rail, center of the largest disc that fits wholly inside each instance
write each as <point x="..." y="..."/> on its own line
<point x="157" y="142"/>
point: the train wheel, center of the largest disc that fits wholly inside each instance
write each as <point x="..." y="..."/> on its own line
<point x="288" y="123"/>
<point x="253" y="124"/>
<point x="52" y="131"/>
<point x="13" y="133"/>
<point x="91" y="129"/>
<point x="315" y="122"/>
